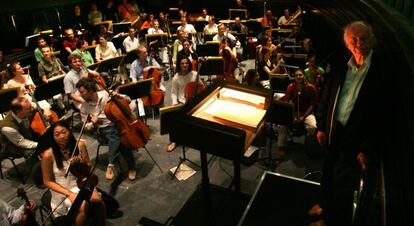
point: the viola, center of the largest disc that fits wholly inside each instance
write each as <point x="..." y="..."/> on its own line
<point x="157" y="95"/>
<point x="133" y="132"/>
<point x="28" y="218"/>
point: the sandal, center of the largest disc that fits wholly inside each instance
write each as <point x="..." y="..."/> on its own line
<point x="171" y="147"/>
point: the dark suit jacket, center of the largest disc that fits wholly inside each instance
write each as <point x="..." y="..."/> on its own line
<point x="362" y="131"/>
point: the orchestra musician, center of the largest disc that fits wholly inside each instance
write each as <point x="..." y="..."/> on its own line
<point x="269" y="20"/>
<point x="183" y="76"/>
<point x="70" y="42"/>
<point x="16" y="217"/>
<point x="77" y="72"/>
<point x="188" y="52"/>
<point x="230" y="61"/>
<point x="55" y="162"/>
<point x="94" y="104"/>
<point x="105" y="49"/>
<point x="303" y="95"/>
<point x="81" y="50"/>
<point x="143" y="62"/>
<point x="50" y="66"/>
<point x="188" y="29"/>
<point x="177" y="45"/>
<point x="267" y="68"/>
<point x="41" y="42"/>
<point x="285" y="18"/>
<point x="224" y="34"/>
<point x="131" y="42"/>
<point x="211" y="28"/>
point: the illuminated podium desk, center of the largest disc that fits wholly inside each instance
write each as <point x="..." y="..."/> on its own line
<point x="223" y="120"/>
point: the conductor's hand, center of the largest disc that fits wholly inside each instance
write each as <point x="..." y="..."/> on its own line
<point x="321" y="137"/>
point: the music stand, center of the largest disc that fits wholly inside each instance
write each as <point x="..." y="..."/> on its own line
<point x="199" y="25"/>
<point x="280" y="113"/>
<point x="48" y="90"/>
<point x="120" y="27"/>
<point x="174" y="14"/>
<point x="242" y="13"/>
<point x="255" y="27"/>
<point x="165" y="116"/>
<point x="212" y="66"/>
<point x="208" y="49"/>
<point x="6" y="97"/>
<point x="107" y="65"/>
<point x="159" y="40"/>
<point x="279" y="82"/>
<point x="135" y="90"/>
<point x="131" y="56"/>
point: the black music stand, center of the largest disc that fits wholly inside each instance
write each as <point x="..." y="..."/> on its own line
<point x="280" y="113"/>
<point x="135" y="90"/>
<point x="208" y="49"/>
<point x="199" y="25"/>
<point x="156" y="40"/>
<point x="120" y="27"/>
<point x="165" y="116"/>
<point x="6" y="97"/>
<point x="242" y="13"/>
<point x="48" y="90"/>
<point x="107" y="65"/>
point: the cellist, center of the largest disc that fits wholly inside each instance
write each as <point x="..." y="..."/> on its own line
<point x="142" y="63"/>
<point x="94" y="104"/>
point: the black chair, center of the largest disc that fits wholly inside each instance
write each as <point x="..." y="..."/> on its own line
<point x="4" y="156"/>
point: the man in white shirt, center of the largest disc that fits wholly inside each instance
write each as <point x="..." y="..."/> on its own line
<point x="131" y="42"/>
<point x="105" y="49"/>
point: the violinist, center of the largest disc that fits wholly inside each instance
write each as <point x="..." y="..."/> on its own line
<point x="94" y="104"/>
<point x="224" y="34"/>
<point x="267" y="67"/>
<point x="230" y="60"/>
<point x="77" y="72"/>
<point x="15" y="217"/>
<point x="56" y="160"/>
<point x="143" y="62"/>
<point x="187" y="52"/>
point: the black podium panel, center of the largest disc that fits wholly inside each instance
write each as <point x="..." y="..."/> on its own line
<point x="280" y="200"/>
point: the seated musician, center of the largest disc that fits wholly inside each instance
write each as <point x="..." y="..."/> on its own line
<point x="143" y="62"/>
<point x="131" y="42"/>
<point x="15" y="217"/>
<point x="55" y="162"/>
<point x="314" y="74"/>
<point x="94" y="15"/>
<point x="81" y="50"/>
<point x="230" y="61"/>
<point x="105" y="49"/>
<point x="50" y="66"/>
<point x="38" y="52"/>
<point x="269" y="20"/>
<point x="267" y="68"/>
<point x="70" y="42"/>
<point x="204" y="15"/>
<point x="211" y="28"/>
<point x="94" y="104"/>
<point x="238" y="27"/>
<point x="268" y="42"/>
<point x="188" y="28"/>
<point x="19" y="79"/>
<point x="127" y="11"/>
<point x="177" y="45"/>
<point x="183" y="76"/>
<point x="17" y="138"/>
<point x="155" y="28"/>
<point x="224" y="34"/>
<point x="303" y="95"/>
<point x="285" y="18"/>
<point x="187" y="52"/>
<point x="77" y="72"/>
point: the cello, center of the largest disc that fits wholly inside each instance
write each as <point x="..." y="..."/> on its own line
<point x="156" y="95"/>
<point x="133" y="132"/>
<point x="39" y="123"/>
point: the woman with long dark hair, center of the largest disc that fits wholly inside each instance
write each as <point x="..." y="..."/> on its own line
<point x="55" y="162"/>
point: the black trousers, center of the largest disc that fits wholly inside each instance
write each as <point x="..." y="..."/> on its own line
<point x="341" y="178"/>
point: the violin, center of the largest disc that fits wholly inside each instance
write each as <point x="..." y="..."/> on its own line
<point x="133" y="132"/>
<point x="28" y="218"/>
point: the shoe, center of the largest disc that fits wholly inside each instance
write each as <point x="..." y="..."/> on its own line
<point x="132" y="174"/>
<point x="109" y="172"/>
<point x="171" y="147"/>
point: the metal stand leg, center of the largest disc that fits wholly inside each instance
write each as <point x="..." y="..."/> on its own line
<point x="182" y="159"/>
<point x="155" y="162"/>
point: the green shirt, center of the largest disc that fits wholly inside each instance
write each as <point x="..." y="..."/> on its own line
<point x="85" y="56"/>
<point x="38" y="54"/>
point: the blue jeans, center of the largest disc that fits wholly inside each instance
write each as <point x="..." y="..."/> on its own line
<point x="111" y="134"/>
